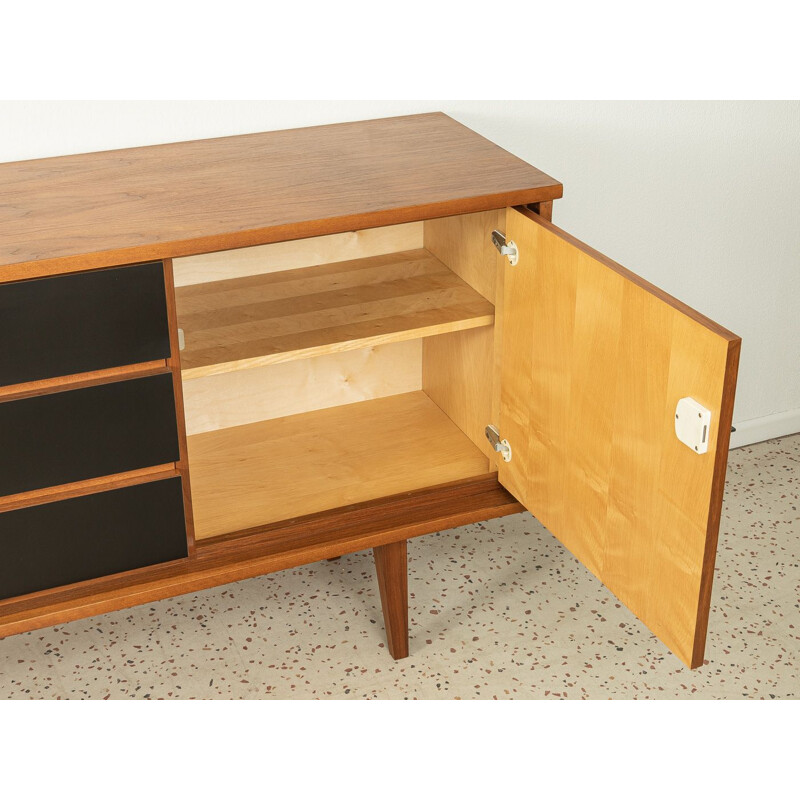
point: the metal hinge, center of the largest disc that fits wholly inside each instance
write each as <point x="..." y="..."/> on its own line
<point x="506" y="248"/>
<point x="500" y="445"/>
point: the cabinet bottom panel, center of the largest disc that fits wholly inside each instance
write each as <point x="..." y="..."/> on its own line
<point x="267" y="549"/>
<point x="265" y="472"/>
<point x="64" y="542"/>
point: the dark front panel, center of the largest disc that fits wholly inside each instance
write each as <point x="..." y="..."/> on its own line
<point x="78" y="323"/>
<point x="87" y="537"/>
<point x="87" y="433"/>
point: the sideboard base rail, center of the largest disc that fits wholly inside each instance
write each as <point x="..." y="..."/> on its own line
<point x="271" y="548"/>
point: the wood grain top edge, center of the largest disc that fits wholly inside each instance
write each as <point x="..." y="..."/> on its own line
<point x="678" y="305"/>
<point x="233" y="240"/>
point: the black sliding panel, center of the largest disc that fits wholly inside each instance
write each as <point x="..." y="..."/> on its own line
<point x="87" y="537"/>
<point x="87" y="433"/>
<point x="68" y="324"/>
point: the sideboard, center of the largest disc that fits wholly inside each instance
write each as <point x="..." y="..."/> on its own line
<point x="229" y="357"/>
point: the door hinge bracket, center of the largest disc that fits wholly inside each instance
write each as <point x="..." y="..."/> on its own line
<point x="500" y="445"/>
<point x="506" y="248"/>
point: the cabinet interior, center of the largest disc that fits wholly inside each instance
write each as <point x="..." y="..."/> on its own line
<point x="335" y="370"/>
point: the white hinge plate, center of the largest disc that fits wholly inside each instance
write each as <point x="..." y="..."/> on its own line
<point x="693" y="424"/>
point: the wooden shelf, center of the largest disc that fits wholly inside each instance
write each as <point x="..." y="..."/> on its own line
<point x="284" y="316"/>
<point x="256" y="474"/>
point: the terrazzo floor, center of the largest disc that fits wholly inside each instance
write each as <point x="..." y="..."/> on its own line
<point x="497" y="610"/>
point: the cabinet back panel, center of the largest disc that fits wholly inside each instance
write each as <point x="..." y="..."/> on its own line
<point x="280" y="390"/>
<point x="89" y="321"/>
<point x="80" y="434"/>
<point x="296" y="254"/>
<point x="87" y="537"/>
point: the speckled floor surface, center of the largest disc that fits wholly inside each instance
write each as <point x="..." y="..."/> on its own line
<point x="499" y="610"/>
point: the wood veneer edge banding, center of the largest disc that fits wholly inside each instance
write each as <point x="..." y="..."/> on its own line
<point x="158" y="251"/>
<point x="715" y="506"/>
<point x="65" y="491"/>
<point x="174" y="365"/>
<point x="82" y="380"/>
<point x="679" y="305"/>
<point x="338" y="347"/>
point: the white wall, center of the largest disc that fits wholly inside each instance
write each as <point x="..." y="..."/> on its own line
<point x="703" y="199"/>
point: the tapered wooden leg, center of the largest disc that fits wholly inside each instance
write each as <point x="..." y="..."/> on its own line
<point x="392" y="569"/>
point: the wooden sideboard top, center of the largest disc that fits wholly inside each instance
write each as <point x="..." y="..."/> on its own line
<point x="122" y="206"/>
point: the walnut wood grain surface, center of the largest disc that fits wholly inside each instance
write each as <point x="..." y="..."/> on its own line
<point x="391" y="569"/>
<point x="100" y="209"/>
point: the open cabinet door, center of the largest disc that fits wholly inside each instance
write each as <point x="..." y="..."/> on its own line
<point x="594" y="362"/>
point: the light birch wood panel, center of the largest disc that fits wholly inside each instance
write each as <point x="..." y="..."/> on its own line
<point x="464" y="243"/>
<point x="296" y="254"/>
<point x="285" y="316"/>
<point x="460" y="370"/>
<point x="279" y="390"/>
<point x="457" y="371"/>
<point x="255" y="474"/>
<point x="594" y="362"/>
